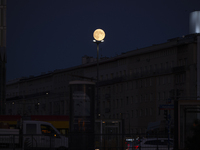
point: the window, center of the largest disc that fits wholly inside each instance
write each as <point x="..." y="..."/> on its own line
<point x="150" y="111"/>
<point x="141" y="98"/>
<point x="150" y="81"/>
<point x="47" y="130"/>
<point x="180" y="62"/>
<point x="163" y="78"/>
<point x="158" y="96"/>
<point x="185" y="61"/>
<point x="150" y="68"/>
<point x="136" y="112"/>
<point x="113" y="88"/>
<point x="140" y="112"/>
<point x="172" y="64"/>
<point x="111" y="76"/>
<point x="164" y="96"/>
<point x="145" y="98"/>
<point x="103" y="104"/>
<point x="140" y="83"/>
<point x="146" y="112"/>
<point x="132" y="113"/>
<point x="145" y="82"/>
<point x="161" y="65"/>
<point x="151" y="97"/>
<point x="132" y="85"/>
<point x="126" y="85"/>
<point x="158" y="80"/>
<point x="121" y="87"/>
<point x="136" y="98"/>
<point x="155" y="67"/>
<point x="132" y="99"/>
<point x="167" y="65"/>
<point x="124" y="72"/>
<point x="140" y="71"/>
<point x="136" y="84"/>
<point x="130" y="72"/>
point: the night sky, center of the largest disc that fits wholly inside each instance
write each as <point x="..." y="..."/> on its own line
<point x="45" y="35"/>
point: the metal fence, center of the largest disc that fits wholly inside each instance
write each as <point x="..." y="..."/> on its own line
<point x="86" y="142"/>
<point x="32" y="142"/>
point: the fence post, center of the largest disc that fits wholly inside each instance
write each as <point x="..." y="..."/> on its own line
<point x="50" y="142"/>
<point x="14" y="142"/>
<point x="104" y="142"/>
<point x="157" y="139"/>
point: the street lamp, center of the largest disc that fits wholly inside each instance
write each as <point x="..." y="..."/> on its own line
<point x="98" y="35"/>
<point x="129" y="123"/>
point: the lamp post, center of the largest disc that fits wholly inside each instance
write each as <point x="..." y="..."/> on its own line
<point x="98" y="35"/>
<point x="129" y="123"/>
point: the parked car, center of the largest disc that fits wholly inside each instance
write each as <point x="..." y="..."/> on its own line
<point x="155" y="144"/>
<point x="132" y="142"/>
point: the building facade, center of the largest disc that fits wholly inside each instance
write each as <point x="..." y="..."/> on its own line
<point x="2" y="55"/>
<point x="132" y="86"/>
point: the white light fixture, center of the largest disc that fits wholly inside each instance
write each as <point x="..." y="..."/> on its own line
<point x="99" y="35"/>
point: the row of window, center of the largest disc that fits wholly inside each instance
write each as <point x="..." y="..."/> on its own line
<point x="54" y="107"/>
<point x="118" y="103"/>
<point x="33" y="91"/>
<point x="134" y="113"/>
<point x="145" y="69"/>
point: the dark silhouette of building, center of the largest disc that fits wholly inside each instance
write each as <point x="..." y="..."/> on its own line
<point x="132" y="85"/>
<point x="135" y="86"/>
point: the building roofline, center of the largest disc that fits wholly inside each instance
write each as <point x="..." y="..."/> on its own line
<point x="190" y="38"/>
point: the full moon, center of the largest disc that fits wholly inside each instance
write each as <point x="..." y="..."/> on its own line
<point x="99" y="34"/>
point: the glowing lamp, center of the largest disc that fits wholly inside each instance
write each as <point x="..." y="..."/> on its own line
<point x="99" y="34"/>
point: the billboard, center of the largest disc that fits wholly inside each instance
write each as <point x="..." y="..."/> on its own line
<point x="82" y="103"/>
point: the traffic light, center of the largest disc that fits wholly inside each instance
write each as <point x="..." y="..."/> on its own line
<point x="166" y="114"/>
